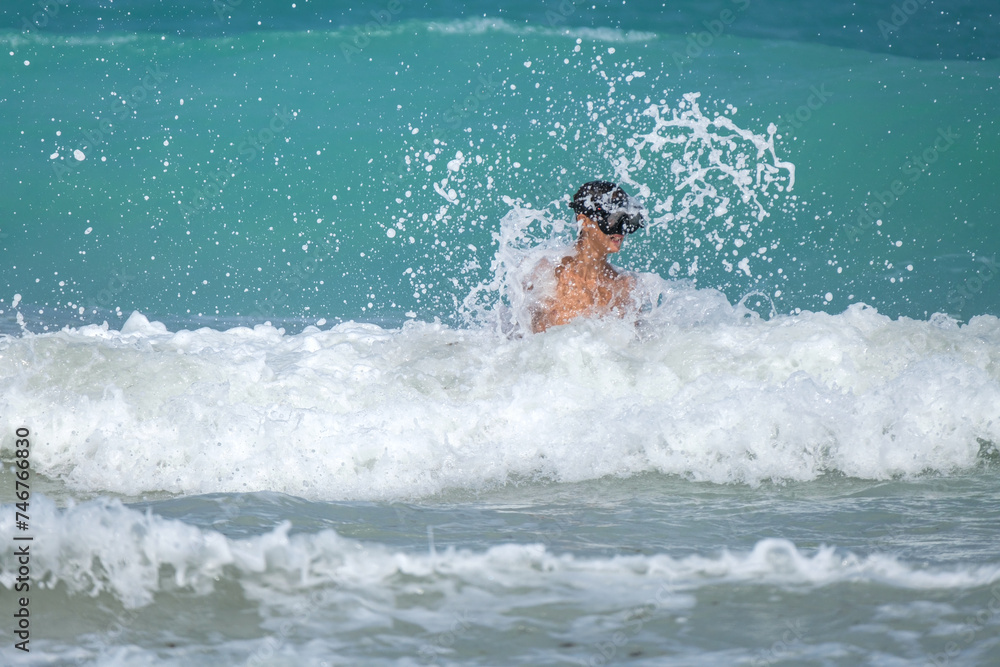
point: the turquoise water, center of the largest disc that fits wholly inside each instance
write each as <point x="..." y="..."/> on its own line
<point x="260" y="318"/>
<point x="211" y="162"/>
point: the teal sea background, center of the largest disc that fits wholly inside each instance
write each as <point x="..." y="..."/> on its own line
<point x="215" y="149"/>
<point x="258" y="314"/>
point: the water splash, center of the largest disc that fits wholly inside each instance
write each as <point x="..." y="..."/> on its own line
<point x="708" y="183"/>
<point x="710" y="148"/>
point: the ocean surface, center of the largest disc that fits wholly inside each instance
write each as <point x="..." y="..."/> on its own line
<point x="266" y="391"/>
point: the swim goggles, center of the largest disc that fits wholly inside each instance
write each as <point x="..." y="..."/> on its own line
<point x="620" y="221"/>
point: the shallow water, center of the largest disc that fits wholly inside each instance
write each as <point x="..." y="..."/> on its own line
<point x="650" y="569"/>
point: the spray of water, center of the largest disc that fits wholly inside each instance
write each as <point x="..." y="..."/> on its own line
<point x="708" y="184"/>
<point x="715" y="188"/>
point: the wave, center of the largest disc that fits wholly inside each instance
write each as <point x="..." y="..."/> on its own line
<point x="701" y="389"/>
<point x="366" y="31"/>
<point x="477" y="26"/>
<point x="103" y="547"/>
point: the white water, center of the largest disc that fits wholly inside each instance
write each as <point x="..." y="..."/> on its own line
<point x="102" y="547"/>
<point x="700" y="389"/>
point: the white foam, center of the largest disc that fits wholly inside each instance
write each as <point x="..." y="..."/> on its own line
<point x="714" y="157"/>
<point x="702" y="390"/>
<point x="478" y="26"/>
<point x="102" y="547"/>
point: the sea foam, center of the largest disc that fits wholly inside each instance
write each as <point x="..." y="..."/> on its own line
<point x="103" y="547"/>
<point x="698" y="388"/>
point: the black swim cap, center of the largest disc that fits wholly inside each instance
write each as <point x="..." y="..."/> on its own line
<point x="607" y="204"/>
